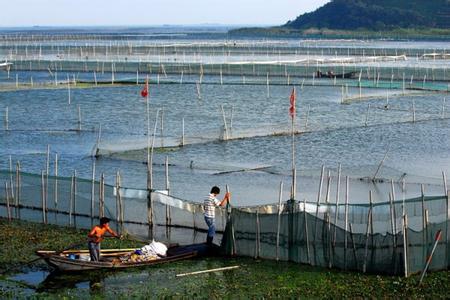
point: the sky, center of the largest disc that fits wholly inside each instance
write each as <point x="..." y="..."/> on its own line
<point x="18" y="13"/>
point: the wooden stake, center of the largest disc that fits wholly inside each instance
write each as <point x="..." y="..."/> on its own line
<point x="405" y="245"/>
<point x="182" y="132"/>
<point x="8" y="208"/>
<point x="279" y="220"/>
<point x="305" y="214"/>
<point x="369" y="221"/>
<point x="44" y="216"/>
<point x="71" y="201"/>
<point x="346" y="221"/>
<point x="17" y="197"/>
<point x="336" y="214"/>
<point x="353" y="246"/>
<point x="257" y="239"/>
<point x="92" y="192"/>
<point x="102" y="196"/>
<point x="319" y="195"/>
<point x="6" y="118"/>
<point x="55" y="196"/>
<point x="79" y="118"/>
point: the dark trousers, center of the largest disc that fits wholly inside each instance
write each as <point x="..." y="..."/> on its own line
<point x="94" y="251"/>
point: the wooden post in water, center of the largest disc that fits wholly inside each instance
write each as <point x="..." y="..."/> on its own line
<point x="424" y="222"/>
<point x="92" y="192"/>
<point x="118" y="202"/>
<point x="405" y="244"/>
<point x="8" y="208"/>
<point x="257" y="236"/>
<point x="336" y="213"/>
<point x="413" y="111"/>
<point x="369" y="221"/>
<point x="17" y="197"/>
<point x="6" y="118"/>
<point x="166" y="165"/>
<point x="443" y="109"/>
<point x="101" y="200"/>
<point x="71" y="199"/>
<point x="346" y="221"/>
<point x="305" y="215"/>
<point x="307" y="117"/>
<point x="79" y="118"/>
<point x="225" y="126"/>
<point x="367" y="115"/>
<point x="280" y="197"/>
<point x="75" y="198"/>
<point x="447" y="197"/>
<point x="55" y="196"/>
<point x="319" y="195"/>
<point x="68" y="88"/>
<point x="182" y="132"/>
<point x="44" y="213"/>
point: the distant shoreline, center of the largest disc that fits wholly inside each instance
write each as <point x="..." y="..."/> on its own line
<point x="400" y="33"/>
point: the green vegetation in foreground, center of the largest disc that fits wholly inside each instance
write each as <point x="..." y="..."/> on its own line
<point x="254" y="278"/>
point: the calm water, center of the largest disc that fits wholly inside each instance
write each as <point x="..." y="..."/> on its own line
<point x="336" y="133"/>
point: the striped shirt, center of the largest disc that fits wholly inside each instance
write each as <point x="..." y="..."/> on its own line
<point x="209" y="205"/>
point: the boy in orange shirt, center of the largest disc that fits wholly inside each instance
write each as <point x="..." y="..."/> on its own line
<point x="96" y="236"/>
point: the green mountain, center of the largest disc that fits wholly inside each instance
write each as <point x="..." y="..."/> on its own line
<point x="376" y="15"/>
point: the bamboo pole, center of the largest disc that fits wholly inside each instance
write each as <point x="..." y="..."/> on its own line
<point x="394" y="212"/>
<point x="353" y="246"/>
<point x="6" y="118"/>
<point x="118" y="201"/>
<point x="447" y="194"/>
<point x="207" y="271"/>
<point x="346" y="221"/>
<point x="424" y="223"/>
<point x="55" y="196"/>
<point x="430" y="257"/>
<point x="102" y="196"/>
<point x="8" y="208"/>
<point x="305" y="214"/>
<point x="319" y="195"/>
<point x="257" y="242"/>
<point x="68" y="89"/>
<point x="79" y="118"/>
<point x="405" y="244"/>
<point x="75" y="198"/>
<point x="72" y="189"/>
<point x="92" y="192"/>
<point x="336" y="214"/>
<point x="182" y="132"/>
<point x="17" y="197"/>
<point x="225" y="126"/>
<point x="369" y="221"/>
<point x="44" y="216"/>
<point x="279" y="220"/>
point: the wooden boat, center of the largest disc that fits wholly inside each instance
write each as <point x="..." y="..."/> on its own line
<point x="330" y="74"/>
<point x="66" y="261"/>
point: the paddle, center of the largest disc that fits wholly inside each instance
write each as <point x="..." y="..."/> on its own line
<point x="41" y="257"/>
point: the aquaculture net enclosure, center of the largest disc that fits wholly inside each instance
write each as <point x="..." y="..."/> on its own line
<point x="393" y="237"/>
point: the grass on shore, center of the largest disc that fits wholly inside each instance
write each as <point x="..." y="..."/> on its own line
<point x="254" y="278"/>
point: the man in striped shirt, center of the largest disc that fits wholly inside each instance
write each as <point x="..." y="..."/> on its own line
<point x="210" y="211"/>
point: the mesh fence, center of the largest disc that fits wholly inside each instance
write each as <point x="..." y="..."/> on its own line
<point x="382" y="238"/>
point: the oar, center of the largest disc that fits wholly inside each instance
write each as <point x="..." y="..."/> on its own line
<point x="41" y="257"/>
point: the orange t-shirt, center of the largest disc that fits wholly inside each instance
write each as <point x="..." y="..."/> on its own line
<point x="97" y="233"/>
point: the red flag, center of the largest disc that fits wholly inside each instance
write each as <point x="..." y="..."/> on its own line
<point x="144" y="92"/>
<point x="292" y="101"/>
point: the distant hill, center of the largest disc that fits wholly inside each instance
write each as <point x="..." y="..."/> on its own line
<point x="376" y="15"/>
